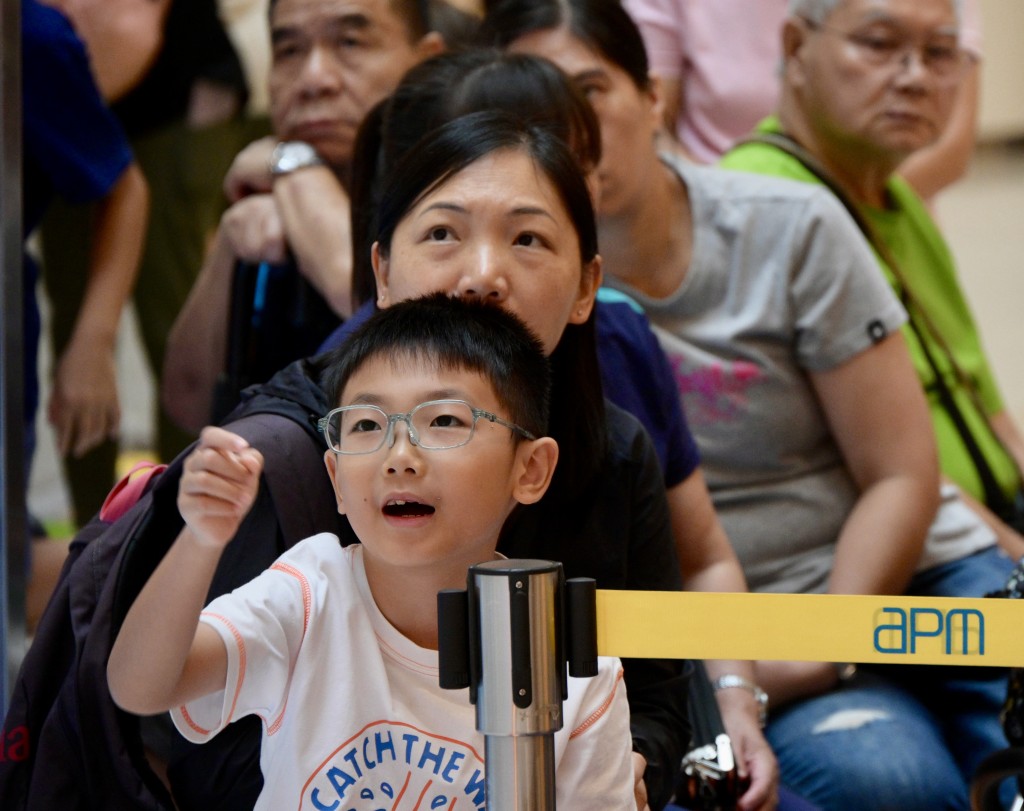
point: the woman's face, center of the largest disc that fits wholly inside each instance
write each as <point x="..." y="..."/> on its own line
<point x="629" y="116"/>
<point x="496" y="230"/>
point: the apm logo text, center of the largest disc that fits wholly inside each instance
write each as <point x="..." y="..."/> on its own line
<point x="963" y="630"/>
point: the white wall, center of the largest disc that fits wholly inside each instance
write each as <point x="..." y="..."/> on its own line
<point x="1002" y="81"/>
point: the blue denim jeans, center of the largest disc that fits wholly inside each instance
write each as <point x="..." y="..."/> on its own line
<point x="900" y="738"/>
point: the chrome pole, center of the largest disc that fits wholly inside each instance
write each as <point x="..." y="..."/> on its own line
<point x="520" y="692"/>
<point x="513" y="637"/>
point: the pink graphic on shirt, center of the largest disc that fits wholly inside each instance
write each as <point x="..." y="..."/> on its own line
<point x="715" y="392"/>
<point x="389" y="766"/>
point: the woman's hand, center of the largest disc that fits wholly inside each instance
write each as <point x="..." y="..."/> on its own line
<point x="754" y="757"/>
<point x="639" y="787"/>
<point x="249" y="172"/>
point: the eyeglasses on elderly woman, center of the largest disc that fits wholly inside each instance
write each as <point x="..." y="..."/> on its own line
<point x="939" y="52"/>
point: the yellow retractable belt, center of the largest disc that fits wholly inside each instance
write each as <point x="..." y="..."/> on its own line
<point x="811" y="627"/>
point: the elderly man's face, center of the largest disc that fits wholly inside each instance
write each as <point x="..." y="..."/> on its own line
<point x="332" y="61"/>
<point x="880" y="77"/>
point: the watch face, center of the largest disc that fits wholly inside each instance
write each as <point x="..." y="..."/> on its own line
<point x="291" y="155"/>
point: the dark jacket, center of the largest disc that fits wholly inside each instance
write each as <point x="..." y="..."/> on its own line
<point x="67" y="745"/>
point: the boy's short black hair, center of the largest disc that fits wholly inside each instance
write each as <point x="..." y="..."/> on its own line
<point x="453" y="333"/>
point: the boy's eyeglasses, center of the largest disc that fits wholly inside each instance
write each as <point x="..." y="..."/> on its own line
<point x="942" y="57"/>
<point x="434" y="426"/>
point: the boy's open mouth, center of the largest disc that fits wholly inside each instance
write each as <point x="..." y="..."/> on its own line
<point x="407" y="509"/>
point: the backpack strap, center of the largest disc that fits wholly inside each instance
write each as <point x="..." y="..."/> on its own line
<point x="303" y="498"/>
<point x="129" y="490"/>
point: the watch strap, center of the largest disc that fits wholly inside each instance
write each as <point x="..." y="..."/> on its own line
<point x="730" y="680"/>
<point x="288" y="156"/>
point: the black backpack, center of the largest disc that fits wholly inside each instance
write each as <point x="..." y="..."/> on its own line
<point x="67" y="745"/>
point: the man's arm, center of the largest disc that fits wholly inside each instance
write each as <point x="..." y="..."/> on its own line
<point x="317" y="223"/>
<point x="84" y="408"/>
<point x="305" y="212"/>
<point x="197" y="342"/>
<point x="162" y="656"/>
<point x="931" y="169"/>
<point x="315" y="216"/>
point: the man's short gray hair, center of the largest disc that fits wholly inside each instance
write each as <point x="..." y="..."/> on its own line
<point x="817" y="11"/>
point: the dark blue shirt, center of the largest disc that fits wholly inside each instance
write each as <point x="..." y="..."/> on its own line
<point x="72" y="146"/>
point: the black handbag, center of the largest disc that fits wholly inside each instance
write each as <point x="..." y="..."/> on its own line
<point x="709" y="778"/>
<point x="276" y="317"/>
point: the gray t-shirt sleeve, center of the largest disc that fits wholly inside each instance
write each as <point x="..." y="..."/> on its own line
<point x="841" y="301"/>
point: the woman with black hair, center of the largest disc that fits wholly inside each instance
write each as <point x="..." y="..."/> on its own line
<point x="634" y="372"/>
<point x="513" y="223"/>
<point x="633" y="369"/>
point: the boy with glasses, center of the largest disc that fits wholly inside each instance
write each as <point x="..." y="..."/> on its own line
<point x="438" y="435"/>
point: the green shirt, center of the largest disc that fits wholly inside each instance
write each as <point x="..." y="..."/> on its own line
<point x="929" y="271"/>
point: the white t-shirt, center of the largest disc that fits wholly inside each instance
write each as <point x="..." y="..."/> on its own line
<point x="353" y="717"/>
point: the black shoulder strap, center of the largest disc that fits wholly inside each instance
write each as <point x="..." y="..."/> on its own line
<point x="301" y="491"/>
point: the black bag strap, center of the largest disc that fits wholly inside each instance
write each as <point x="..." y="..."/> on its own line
<point x="918" y="320"/>
<point x="301" y="491"/>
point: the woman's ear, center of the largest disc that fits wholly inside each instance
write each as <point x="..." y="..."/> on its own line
<point x="535" y="465"/>
<point x="590" y="282"/>
<point x="380" y="273"/>
<point x="331" y="463"/>
<point x="430" y="44"/>
<point x="656" y="92"/>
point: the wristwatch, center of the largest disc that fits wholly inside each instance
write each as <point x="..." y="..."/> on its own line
<point x="760" y="696"/>
<point x="291" y="155"/>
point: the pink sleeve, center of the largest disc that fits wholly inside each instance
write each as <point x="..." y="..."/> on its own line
<point x="662" y="25"/>
<point x="970" y="28"/>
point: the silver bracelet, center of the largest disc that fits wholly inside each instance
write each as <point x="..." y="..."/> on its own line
<point x="730" y="680"/>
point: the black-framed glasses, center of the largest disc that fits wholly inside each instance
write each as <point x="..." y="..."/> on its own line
<point x="435" y="425"/>
<point x="940" y="53"/>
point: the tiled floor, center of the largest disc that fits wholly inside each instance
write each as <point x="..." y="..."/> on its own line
<point x="983" y="216"/>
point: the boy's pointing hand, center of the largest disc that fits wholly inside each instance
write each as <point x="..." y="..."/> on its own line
<point x="219" y="484"/>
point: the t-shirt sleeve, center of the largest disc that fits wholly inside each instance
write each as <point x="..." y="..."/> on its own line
<point x="842" y="304"/>
<point x="596" y="772"/>
<point x="637" y="377"/>
<point x="970" y="28"/>
<point x="262" y="625"/>
<point x="70" y="132"/>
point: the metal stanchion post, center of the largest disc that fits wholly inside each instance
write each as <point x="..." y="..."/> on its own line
<point x="13" y="532"/>
<point x="506" y="638"/>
